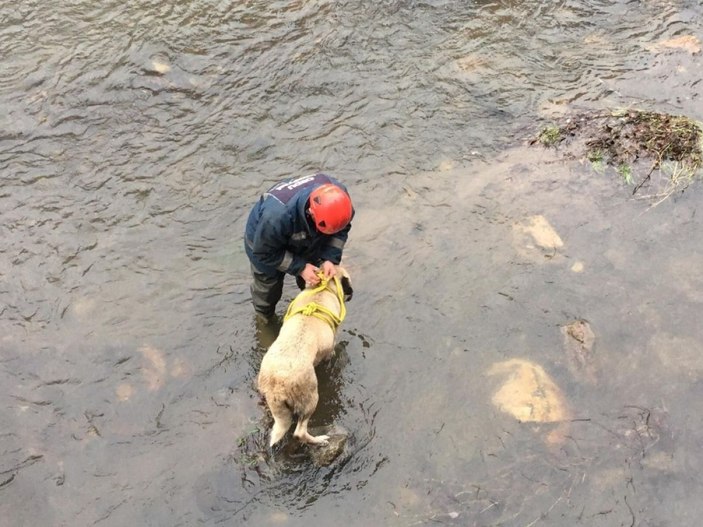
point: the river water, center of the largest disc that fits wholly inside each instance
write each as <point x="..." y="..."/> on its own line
<point x="134" y="138"/>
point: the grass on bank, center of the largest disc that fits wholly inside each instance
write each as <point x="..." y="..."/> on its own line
<point x="672" y="144"/>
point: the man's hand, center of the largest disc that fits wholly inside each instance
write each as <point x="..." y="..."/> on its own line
<point x="309" y="274"/>
<point x="329" y="269"/>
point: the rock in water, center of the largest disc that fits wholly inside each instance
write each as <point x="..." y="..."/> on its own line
<point x="530" y="395"/>
<point x="324" y="455"/>
<point x="535" y="237"/>
<point x="578" y="345"/>
<point x="689" y="43"/>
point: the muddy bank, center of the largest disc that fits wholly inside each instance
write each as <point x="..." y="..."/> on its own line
<point x="634" y="144"/>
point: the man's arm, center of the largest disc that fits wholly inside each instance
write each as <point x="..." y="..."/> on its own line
<point x="270" y="242"/>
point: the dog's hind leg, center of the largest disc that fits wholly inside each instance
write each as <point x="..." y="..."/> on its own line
<point x="301" y="430"/>
<point x="282" y="420"/>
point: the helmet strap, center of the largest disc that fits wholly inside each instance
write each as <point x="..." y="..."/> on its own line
<point x="310" y="219"/>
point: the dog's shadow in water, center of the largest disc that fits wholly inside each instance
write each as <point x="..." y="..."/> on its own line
<point x="330" y="384"/>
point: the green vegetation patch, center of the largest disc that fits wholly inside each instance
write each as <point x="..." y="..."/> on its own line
<point x="671" y="144"/>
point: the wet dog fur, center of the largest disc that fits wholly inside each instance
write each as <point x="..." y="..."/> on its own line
<point x="287" y="378"/>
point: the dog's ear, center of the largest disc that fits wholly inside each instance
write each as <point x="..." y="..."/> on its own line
<point x="345" y="281"/>
<point x="347" y="288"/>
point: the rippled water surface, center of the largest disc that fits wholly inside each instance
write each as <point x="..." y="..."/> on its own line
<point x="133" y="140"/>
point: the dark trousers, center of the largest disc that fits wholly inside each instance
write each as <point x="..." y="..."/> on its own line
<point x="267" y="290"/>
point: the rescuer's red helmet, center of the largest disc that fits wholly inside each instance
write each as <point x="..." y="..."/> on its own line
<point x="330" y="208"/>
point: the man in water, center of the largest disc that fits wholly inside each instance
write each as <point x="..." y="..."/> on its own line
<point x="297" y="227"/>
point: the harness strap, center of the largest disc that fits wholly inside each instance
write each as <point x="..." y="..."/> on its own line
<point x="313" y="309"/>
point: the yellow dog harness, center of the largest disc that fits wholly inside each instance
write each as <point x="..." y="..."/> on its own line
<point x="313" y="309"/>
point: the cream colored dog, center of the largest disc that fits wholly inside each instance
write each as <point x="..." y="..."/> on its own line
<point x="287" y="377"/>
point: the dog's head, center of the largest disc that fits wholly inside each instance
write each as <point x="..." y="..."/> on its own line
<point x="345" y="280"/>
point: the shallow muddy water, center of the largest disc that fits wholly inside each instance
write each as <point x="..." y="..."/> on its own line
<point x="134" y="139"/>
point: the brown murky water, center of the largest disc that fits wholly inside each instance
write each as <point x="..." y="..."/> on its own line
<point x="134" y="139"/>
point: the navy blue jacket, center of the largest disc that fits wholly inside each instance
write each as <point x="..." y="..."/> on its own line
<point x="280" y="236"/>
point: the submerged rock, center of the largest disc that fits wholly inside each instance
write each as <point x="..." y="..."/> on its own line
<point x="688" y="43"/>
<point x="530" y="395"/>
<point x="124" y="391"/>
<point x="578" y="345"/>
<point x="324" y="455"/>
<point x="535" y="236"/>
<point x="154" y="367"/>
<point x="160" y="66"/>
<point x="577" y="267"/>
<point x="541" y="231"/>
